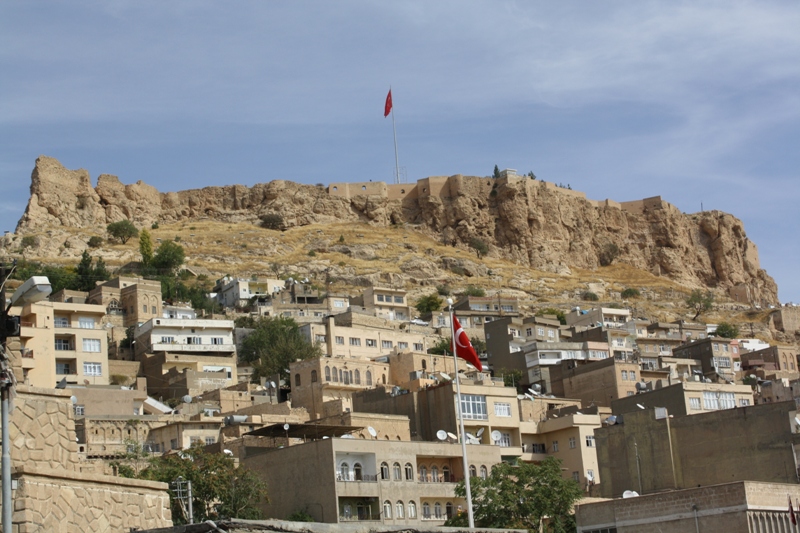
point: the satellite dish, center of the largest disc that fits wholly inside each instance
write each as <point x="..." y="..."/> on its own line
<point x="452" y="436"/>
<point x="611" y="420"/>
<point x="348" y="436"/>
<point x="480" y="432"/>
<point x="520" y="396"/>
<point x="496" y="436"/>
<point x="286" y="427"/>
<point x="441" y="435"/>
<point x="371" y="431"/>
<point x="630" y="494"/>
<point x="796" y="419"/>
<point x="74" y="400"/>
<point x="528" y="396"/>
<point x="470" y="436"/>
<point x="227" y="452"/>
<point x="272" y="385"/>
<point x="187" y="399"/>
<point x="640" y="406"/>
<point x="62" y="384"/>
<point x="445" y="377"/>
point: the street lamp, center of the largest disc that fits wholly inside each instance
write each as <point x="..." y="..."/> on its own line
<point x="33" y="290"/>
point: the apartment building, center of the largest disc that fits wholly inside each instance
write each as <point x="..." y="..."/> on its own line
<point x="540" y="358"/>
<point x="186" y="356"/>
<point x="774" y="358"/>
<point x="621" y="343"/>
<point x="370" y="481"/>
<point x="136" y="300"/>
<point x="598" y="316"/>
<point x="688" y="398"/>
<point x="595" y="383"/>
<point x="654" y="451"/>
<point x="719" y="357"/>
<point x="237" y="292"/>
<point x="384" y="302"/>
<point x="353" y="335"/>
<point x="62" y="341"/>
<point x="505" y="336"/>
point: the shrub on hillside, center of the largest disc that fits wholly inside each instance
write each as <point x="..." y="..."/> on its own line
<point x="631" y="293"/>
<point x="590" y="296"/>
<point x="95" y="241"/>
<point x="273" y="221"/>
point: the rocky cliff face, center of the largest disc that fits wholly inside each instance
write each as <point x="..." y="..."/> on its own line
<point x="527" y="221"/>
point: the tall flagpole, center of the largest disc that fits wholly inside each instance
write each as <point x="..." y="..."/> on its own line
<point x="463" y="434"/>
<point x="396" y="159"/>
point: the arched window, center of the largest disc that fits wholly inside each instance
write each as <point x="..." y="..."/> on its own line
<point x="424" y="365"/>
<point x="327" y="373"/>
<point x="409" y="472"/>
<point x="426" y="510"/>
<point x="412" y="509"/>
<point x="313" y="376"/>
<point x="344" y="472"/>
<point x="449" y="510"/>
<point x="357" y="472"/>
<point x="357" y="381"/>
<point x="437" y="510"/>
<point x="341" y="375"/>
<point x="399" y="509"/>
<point x="384" y="471"/>
<point x="435" y="474"/>
<point x="297" y="380"/>
<point x="398" y="474"/>
<point x="346" y="376"/>
<point x="472" y="471"/>
<point x="335" y="375"/>
<point x="446" y="474"/>
<point x="484" y="472"/>
<point x="369" y="378"/>
<point x="383" y="378"/>
<point x="387" y="509"/>
<point x="351" y="377"/>
<point x="423" y="474"/>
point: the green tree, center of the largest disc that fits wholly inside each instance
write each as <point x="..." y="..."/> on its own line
<point x="727" y="330"/>
<point x="607" y="255"/>
<point x="480" y="247"/>
<point x="429" y="304"/>
<point x="630" y="293"/>
<point x="276" y="342"/>
<point x="146" y="248"/>
<point x="521" y="497"/>
<point x="472" y="290"/>
<point x="512" y="378"/>
<point x="496" y="173"/>
<point x="95" y="241"/>
<point x="700" y="302"/>
<point x="558" y="313"/>
<point x="442" y="347"/>
<point x="134" y="460"/>
<point x="87" y="274"/>
<point x="168" y="258"/>
<point x="219" y="488"/>
<point x="273" y="221"/>
<point x="123" y="231"/>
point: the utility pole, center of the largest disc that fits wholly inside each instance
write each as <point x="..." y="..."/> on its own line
<point x="5" y="389"/>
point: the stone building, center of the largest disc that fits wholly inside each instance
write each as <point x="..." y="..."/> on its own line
<point x="688" y="398"/>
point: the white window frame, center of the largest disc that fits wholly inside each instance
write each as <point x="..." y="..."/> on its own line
<point x="92" y="345"/>
<point x="502" y="409"/>
<point x="92" y="369"/>
<point x="86" y="322"/>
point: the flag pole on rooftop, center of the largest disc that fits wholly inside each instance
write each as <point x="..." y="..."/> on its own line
<point x="389" y="108"/>
<point x="455" y="345"/>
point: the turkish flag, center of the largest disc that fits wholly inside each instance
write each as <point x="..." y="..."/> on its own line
<point x="463" y="347"/>
<point x="388" y="107"/>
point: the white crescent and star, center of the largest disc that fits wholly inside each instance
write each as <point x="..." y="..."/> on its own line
<point x="459" y="332"/>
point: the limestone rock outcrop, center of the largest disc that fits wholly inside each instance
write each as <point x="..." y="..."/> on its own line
<point x="533" y="223"/>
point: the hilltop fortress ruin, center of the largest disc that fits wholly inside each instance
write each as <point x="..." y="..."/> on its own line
<point x="532" y="222"/>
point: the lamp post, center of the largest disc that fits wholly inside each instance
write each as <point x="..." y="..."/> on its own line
<point x="35" y="289"/>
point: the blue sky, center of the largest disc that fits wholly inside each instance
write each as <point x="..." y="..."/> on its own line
<point x="693" y="101"/>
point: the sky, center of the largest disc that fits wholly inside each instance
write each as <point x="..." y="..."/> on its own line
<point x="697" y="102"/>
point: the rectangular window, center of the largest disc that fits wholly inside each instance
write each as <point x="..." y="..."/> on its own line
<point x="386" y="344"/>
<point x="590" y="441"/>
<point x="724" y="347"/>
<point x="473" y="407"/>
<point x="694" y="404"/>
<point x="402" y="345"/>
<point x="716" y="347"/>
<point x="194" y="440"/>
<point x="86" y="323"/>
<point x="722" y="362"/>
<point x="217" y="340"/>
<point x="505" y="440"/>
<point x="648" y="348"/>
<point x="371" y="343"/>
<point x="92" y="369"/>
<point x="173" y="443"/>
<point x="555" y="446"/>
<point x="338" y="303"/>
<point x="144" y="308"/>
<point x="576" y="476"/>
<point x="339" y="340"/>
<point x="502" y="409"/>
<point x="63" y="345"/>
<point x="507" y="308"/>
<point x="194" y="340"/>
<point x="63" y="368"/>
<point x="744" y="402"/>
<point x="417" y="346"/>
<point x="719" y="400"/>
<point x="398" y="299"/>
<point x="624" y="375"/>
<point x="550" y="333"/>
<point x="319" y="338"/>
<point x="167" y="340"/>
<point x="91" y="345"/>
<point x="379" y="297"/>
<point x="632" y="375"/>
<point x="61" y="322"/>
<point x="529" y="332"/>
<point x="210" y="441"/>
<point x="572" y="442"/>
<point x="540" y="332"/>
<point x="355" y="342"/>
<point x="80" y="410"/>
<point x="153" y="309"/>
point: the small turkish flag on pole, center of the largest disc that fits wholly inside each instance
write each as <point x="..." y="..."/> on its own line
<point x="388" y="107"/>
<point x="463" y="347"/>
